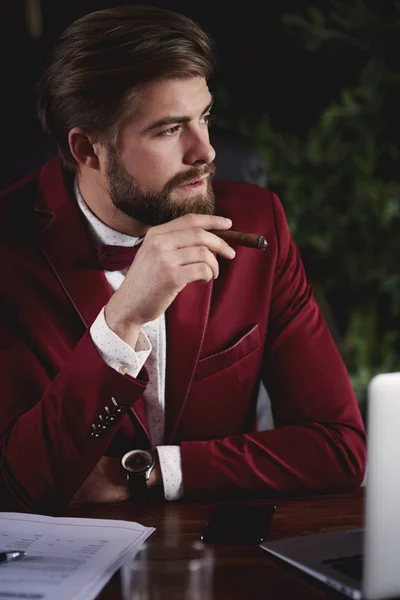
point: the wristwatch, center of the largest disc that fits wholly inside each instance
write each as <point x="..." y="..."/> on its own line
<point x="138" y="464"/>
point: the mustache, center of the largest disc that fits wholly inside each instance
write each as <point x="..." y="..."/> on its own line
<point x="189" y="176"/>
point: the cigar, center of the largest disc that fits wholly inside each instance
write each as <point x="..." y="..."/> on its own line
<point x="251" y="240"/>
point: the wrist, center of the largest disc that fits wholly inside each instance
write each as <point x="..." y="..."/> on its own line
<point x="155" y="479"/>
<point x="126" y="330"/>
<point x="143" y="473"/>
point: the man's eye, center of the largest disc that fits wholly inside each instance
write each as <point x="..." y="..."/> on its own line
<point x="170" y="131"/>
<point x="206" y="119"/>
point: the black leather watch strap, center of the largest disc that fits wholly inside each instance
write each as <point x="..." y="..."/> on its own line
<point x="138" y="486"/>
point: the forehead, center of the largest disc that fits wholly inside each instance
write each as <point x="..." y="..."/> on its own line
<point x="171" y="97"/>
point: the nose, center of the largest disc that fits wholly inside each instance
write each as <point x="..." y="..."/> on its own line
<point x="199" y="149"/>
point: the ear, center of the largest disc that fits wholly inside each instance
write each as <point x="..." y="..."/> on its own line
<point x="84" y="148"/>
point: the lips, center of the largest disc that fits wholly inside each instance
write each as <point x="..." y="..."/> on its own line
<point x="194" y="181"/>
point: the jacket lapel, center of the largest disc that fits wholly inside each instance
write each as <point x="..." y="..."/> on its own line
<point x="186" y="322"/>
<point x="65" y="241"/>
<point x="67" y="245"/>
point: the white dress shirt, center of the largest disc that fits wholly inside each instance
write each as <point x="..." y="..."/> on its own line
<point x="150" y="349"/>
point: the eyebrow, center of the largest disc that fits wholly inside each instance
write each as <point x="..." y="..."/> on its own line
<point x="171" y="120"/>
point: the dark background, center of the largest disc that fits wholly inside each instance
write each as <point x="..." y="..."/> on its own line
<point x="261" y="67"/>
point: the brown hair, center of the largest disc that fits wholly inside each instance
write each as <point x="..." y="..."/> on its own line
<point x="94" y="75"/>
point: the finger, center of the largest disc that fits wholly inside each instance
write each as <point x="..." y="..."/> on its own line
<point x="192" y="237"/>
<point x="192" y="220"/>
<point x="200" y="272"/>
<point x="196" y="254"/>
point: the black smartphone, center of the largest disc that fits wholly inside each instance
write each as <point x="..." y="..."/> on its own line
<point x="238" y="523"/>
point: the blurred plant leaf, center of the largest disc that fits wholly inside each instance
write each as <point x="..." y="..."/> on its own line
<point x="340" y="183"/>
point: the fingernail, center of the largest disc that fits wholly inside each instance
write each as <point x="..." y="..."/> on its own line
<point x="232" y="253"/>
<point x="227" y="221"/>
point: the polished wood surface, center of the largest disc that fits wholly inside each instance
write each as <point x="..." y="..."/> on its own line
<point x="242" y="572"/>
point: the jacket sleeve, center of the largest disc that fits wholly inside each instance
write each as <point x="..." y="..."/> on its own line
<point x="46" y="446"/>
<point x="318" y="445"/>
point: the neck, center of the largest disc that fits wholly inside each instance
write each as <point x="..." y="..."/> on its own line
<point x="96" y="197"/>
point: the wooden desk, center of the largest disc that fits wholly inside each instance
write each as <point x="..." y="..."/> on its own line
<point x="243" y="573"/>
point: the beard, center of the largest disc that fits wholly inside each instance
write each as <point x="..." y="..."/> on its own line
<point x="155" y="208"/>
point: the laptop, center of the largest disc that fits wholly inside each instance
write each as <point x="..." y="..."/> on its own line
<point x="362" y="563"/>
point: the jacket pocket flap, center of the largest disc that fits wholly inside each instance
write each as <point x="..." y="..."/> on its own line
<point x="220" y="360"/>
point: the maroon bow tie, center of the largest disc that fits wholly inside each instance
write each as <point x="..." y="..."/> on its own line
<point x="116" y="258"/>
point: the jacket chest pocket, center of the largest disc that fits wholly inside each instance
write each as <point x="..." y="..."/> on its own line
<point x="214" y="363"/>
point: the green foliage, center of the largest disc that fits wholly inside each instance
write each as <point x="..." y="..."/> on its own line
<point x="340" y="183"/>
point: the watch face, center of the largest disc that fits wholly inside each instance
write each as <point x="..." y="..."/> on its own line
<point x="137" y="461"/>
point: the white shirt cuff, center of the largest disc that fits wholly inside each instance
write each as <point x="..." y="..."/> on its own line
<point x="171" y="471"/>
<point x="117" y="353"/>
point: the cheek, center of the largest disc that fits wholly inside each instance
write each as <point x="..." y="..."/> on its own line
<point x="151" y="170"/>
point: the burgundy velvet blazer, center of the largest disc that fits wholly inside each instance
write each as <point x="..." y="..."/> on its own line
<point x="259" y="319"/>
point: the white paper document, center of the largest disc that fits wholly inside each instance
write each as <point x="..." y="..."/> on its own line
<point x="66" y="558"/>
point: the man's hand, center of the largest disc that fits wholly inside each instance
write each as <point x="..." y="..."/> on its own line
<point x="171" y="256"/>
<point x="106" y="483"/>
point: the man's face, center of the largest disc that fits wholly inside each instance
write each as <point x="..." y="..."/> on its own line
<point x="164" y="163"/>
